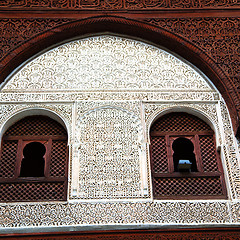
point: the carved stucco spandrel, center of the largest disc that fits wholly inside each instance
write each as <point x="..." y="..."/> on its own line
<point x="106" y="63"/>
<point x="7" y="111"/>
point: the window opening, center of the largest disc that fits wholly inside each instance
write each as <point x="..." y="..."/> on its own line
<point x="183" y="150"/>
<point x="33" y="161"/>
<point x="182" y="136"/>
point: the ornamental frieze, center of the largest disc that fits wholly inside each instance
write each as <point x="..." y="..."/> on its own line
<point x="117" y="4"/>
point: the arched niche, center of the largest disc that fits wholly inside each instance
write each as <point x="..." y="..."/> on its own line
<point x="108" y="154"/>
<point x="112" y="70"/>
<point x="13" y="118"/>
<point x="185" y="162"/>
<point x="34" y="159"/>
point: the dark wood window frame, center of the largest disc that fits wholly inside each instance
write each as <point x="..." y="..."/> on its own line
<point x="15" y="179"/>
<point x="193" y="136"/>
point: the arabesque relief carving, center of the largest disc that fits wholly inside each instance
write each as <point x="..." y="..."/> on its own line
<point x="217" y="37"/>
<point x="108" y="114"/>
<point x="69" y="214"/>
<point x="111" y="169"/>
<point x="117" y="4"/>
<point x="107" y="63"/>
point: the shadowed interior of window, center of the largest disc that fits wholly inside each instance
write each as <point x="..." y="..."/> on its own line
<point x="183" y="150"/>
<point x="33" y="162"/>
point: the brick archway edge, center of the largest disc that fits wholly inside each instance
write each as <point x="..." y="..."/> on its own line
<point x="132" y="29"/>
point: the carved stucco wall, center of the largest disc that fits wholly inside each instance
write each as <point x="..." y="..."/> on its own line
<point x="108" y="90"/>
<point x="106" y="63"/>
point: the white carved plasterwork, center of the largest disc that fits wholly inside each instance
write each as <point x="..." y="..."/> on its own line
<point x="109" y="143"/>
<point x="63" y="110"/>
<point x="152" y="110"/>
<point x="173" y="95"/>
<point x="230" y="153"/>
<point x="73" y="214"/>
<point x="133" y="107"/>
<point x="97" y="86"/>
<point x="107" y="96"/>
<point x="106" y="63"/>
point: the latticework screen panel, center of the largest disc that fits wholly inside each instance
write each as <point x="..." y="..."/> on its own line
<point x="193" y="183"/>
<point x="58" y="159"/>
<point x="208" y="154"/>
<point x="36" y="125"/>
<point x="31" y="191"/>
<point x="34" y="129"/>
<point x="159" y="155"/>
<point x="179" y="122"/>
<point x="199" y="186"/>
<point x="8" y="158"/>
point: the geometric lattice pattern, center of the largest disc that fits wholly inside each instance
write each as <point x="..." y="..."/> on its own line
<point x="176" y="125"/>
<point x="201" y="186"/>
<point x="58" y="159"/>
<point x="34" y="128"/>
<point x="179" y="122"/>
<point x="208" y="154"/>
<point x="36" y="125"/>
<point x="8" y="158"/>
<point x="31" y="191"/>
<point x="159" y="155"/>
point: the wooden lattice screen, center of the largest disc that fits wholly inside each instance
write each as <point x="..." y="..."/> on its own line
<point x="54" y="183"/>
<point x="207" y="181"/>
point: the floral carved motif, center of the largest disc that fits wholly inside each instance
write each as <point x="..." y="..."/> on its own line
<point x="111" y="168"/>
<point x="107" y="63"/>
<point x="14" y="32"/>
<point x="217" y="37"/>
<point x="70" y="214"/>
<point x="109" y="96"/>
<point x="117" y="4"/>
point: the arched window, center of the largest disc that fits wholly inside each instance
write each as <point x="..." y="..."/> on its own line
<point x="184" y="160"/>
<point x="33" y="163"/>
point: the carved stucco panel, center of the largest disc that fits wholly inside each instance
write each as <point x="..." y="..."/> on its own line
<point x="235" y="211"/>
<point x="108" y="145"/>
<point x="109" y="96"/>
<point x="107" y="63"/>
<point x="63" y="110"/>
<point x="230" y="153"/>
<point x="69" y="214"/>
